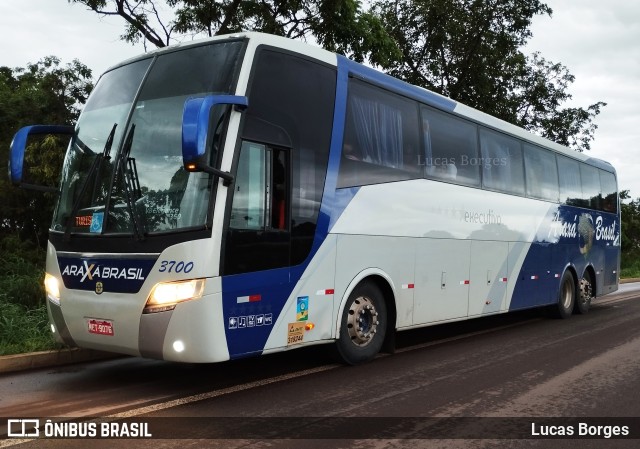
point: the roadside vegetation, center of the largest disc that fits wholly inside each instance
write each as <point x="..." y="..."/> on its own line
<point x="630" y="236"/>
<point x="630" y="272"/>
<point x="23" y="312"/>
<point x="46" y="92"/>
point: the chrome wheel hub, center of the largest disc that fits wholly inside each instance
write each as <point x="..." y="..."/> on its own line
<point x="362" y="321"/>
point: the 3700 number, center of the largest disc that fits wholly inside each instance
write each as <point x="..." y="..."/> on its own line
<point x="172" y="266"/>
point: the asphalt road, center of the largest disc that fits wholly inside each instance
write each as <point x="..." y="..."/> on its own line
<point x="492" y="382"/>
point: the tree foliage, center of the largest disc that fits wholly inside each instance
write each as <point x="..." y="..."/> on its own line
<point x="42" y="93"/>
<point x="338" y="25"/>
<point x="630" y="234"/>
<point x="470" y="50"/>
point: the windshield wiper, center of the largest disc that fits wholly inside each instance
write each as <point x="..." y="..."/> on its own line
<point x="96" y="165"/>
<point x="131" y="183"/>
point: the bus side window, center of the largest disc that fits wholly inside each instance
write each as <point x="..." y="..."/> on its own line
<point x="451" y="148"/>
<point x="609" y="191"/>
<point x="590" y="186"/>
<point x="541" y="172"/>
<point x="501" y="161"/>
<point x="381" y="142"/>
<point x="570" y="185"/>
<point x="260" y="189"/>
<point x="248" y="210"/>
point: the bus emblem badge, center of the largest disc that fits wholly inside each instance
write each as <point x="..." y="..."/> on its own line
<point x="99" y="287"/>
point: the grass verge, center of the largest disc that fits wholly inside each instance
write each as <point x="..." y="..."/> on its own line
<point x="24" y="329"/>
<point x="631" y="271"/>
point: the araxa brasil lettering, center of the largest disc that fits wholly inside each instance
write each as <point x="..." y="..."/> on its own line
<point x="560" y="228"/>
<point x="123" y="275"/>
<point x="583" y="224"/>
<point x="93" y="272"/>
<point x="605" y="232"/>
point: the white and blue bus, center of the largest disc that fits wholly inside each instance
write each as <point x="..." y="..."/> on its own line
<point x="249" y="194"/>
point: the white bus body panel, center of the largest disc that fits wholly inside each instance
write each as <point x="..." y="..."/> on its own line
<point x="465" y="245"/>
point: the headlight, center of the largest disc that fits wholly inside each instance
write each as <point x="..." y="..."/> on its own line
<point x="52" y="287"/>
<point x="165" y="295"/>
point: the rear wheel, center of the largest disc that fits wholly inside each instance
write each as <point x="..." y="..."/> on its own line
<point x="566" y="296"/>
<point x="363" y="324"/>
<point x="585" y="294"/>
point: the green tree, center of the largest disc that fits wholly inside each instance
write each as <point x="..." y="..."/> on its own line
<point x="42" y="93"/>
<point x="337" y="25"/>
<point x="470" y="50"/>
<point x="630" y="217"/>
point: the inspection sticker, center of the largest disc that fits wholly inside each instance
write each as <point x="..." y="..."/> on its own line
<point x="295" y="333"/>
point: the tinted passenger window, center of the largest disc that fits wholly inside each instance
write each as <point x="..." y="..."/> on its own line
<point x="570" y="185"/>
<point x="451" y="150"/>
<point x="541" y="173"/>
<point x="609" y="191"/>
<point x="381" y="140"/>
<point x="590" y="186"/>
<point x="501" y="162"/>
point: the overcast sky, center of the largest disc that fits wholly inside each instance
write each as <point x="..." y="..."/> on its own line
<point x="599" y="41"/>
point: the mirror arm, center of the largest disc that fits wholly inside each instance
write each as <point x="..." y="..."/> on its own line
<point x="225" y="175"/>
<point x="45" y="189"/>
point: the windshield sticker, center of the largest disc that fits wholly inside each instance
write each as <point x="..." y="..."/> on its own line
<point x="96" y="222"/>
<point x="302" y="309"/>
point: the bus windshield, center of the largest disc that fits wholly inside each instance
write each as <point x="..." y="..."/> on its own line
<point x="123" y="172"/>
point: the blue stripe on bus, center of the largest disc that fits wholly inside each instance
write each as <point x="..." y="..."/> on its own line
<point x="395" y="85"/>
<point x="245" y="335"/>
<point x="329" y="210"/>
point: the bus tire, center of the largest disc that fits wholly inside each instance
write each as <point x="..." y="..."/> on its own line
<point x="585" y="294"/>
<point x="566" y="296"/>
<point x="363" y="324"/>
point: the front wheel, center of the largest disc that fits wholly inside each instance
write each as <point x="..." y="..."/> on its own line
<point x="566" y="296"/>
<point x="363" y="324"/>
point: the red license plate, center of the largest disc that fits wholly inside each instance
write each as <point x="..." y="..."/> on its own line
<point x="100" y="327"/>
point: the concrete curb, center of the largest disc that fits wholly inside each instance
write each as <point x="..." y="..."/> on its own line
<point x="44" y="359"/>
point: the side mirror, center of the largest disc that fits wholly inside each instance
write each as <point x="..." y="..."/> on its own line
<point x="195" y="131"/>
<point x="19" y="146"/>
